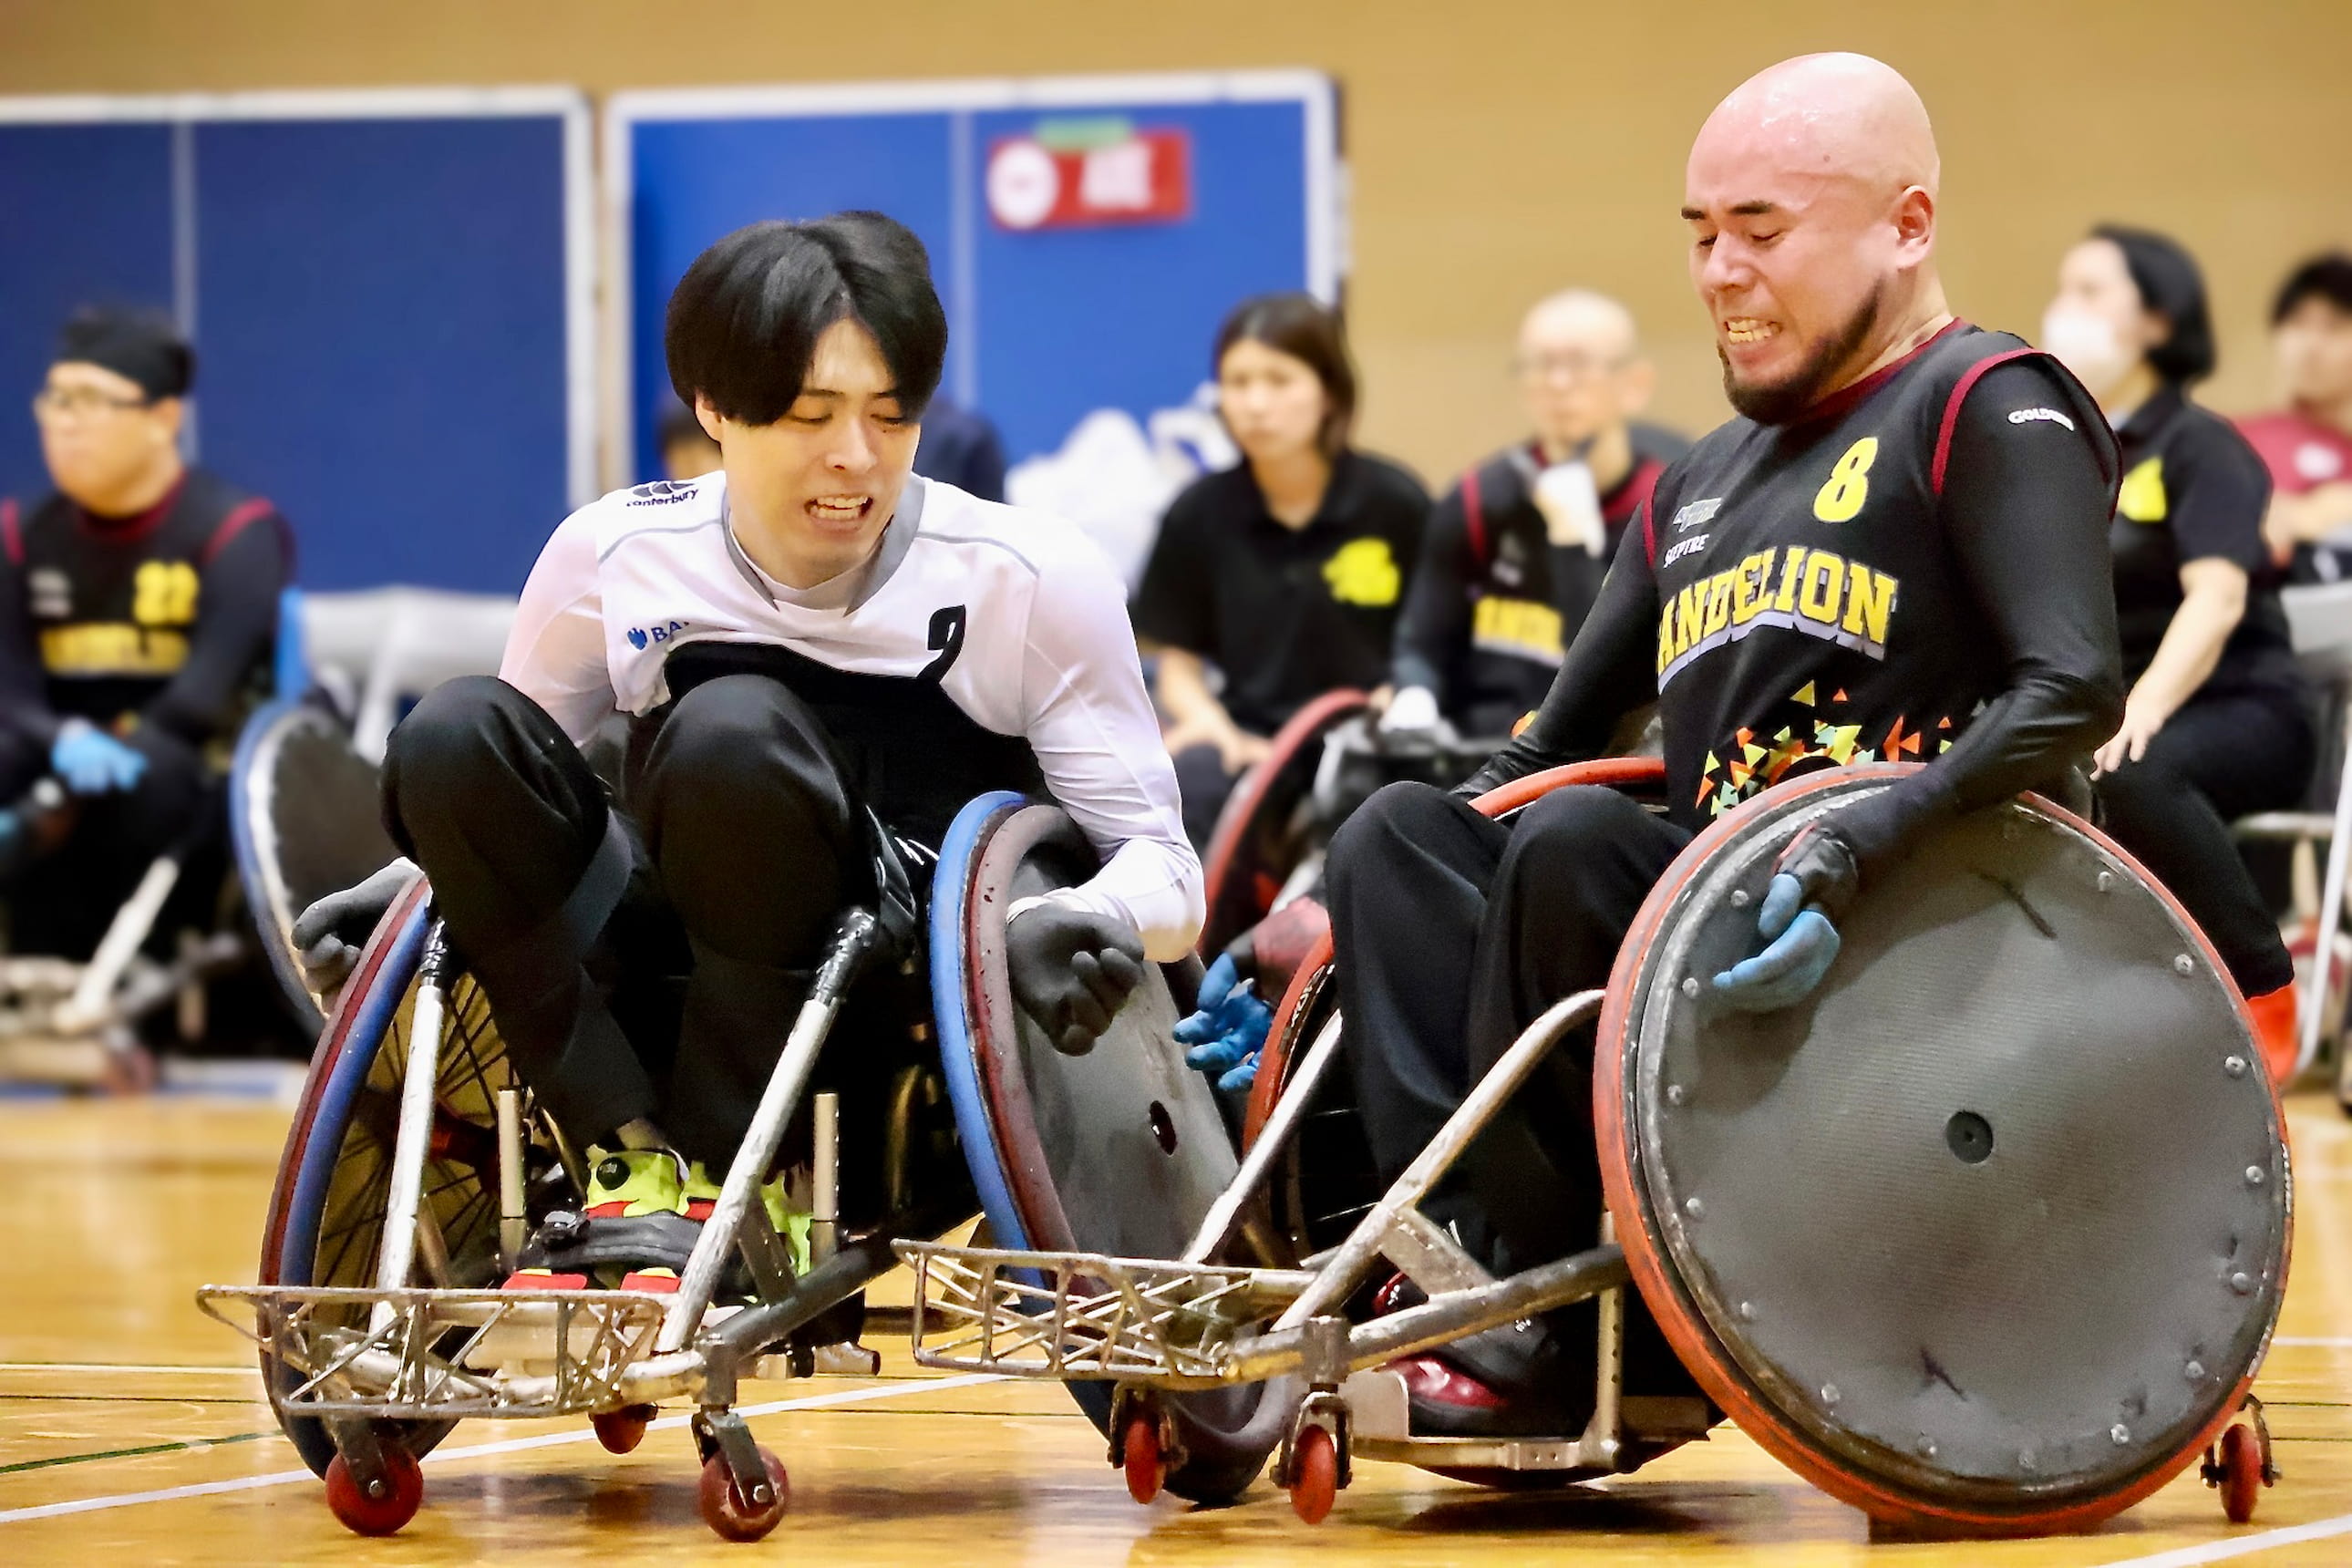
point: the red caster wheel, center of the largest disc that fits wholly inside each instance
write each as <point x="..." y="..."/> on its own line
<point x="1140" y="1457"/>
<point x="2241" y="1478"/>
<point x="724" y="1510"/>
<point x="622" y="1430"/>
<point x="403" y="1489"/>
<point x="1315" y="1475"/>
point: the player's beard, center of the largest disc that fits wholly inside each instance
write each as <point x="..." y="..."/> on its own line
<point x="1779" y="402"/>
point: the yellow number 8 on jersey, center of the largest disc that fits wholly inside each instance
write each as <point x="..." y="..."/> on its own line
<point x="1849" y="483"/>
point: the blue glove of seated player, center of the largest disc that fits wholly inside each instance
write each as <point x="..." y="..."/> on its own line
<point x="1815" y="879"/>
<point x="1228" y="1028"/>
<point x="92" y="762"/>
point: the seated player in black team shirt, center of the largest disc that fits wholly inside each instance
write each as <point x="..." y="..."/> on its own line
<point x="1285" y="572"/>
<point x="138" y="606"/>
<point x="1516" y="550"/>
<point x="2217" y="723"/>
<point x="1897" y="551"/>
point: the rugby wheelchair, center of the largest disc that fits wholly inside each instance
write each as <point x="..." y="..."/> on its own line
<point x="418" y="1169"/>
<point x="1986" y="1237"/>
<point x="302" y="822"/>
<point x="1268" y="847"/>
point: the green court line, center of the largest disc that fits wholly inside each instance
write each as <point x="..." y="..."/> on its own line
<point x="193" y="1445"/>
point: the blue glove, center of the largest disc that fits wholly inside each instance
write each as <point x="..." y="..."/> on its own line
<point x="1229" y="1028"/>
<point x="92" y="762"/>
<point x="1802" y="946"/>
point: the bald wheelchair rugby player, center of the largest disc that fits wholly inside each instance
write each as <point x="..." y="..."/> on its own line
<point x="821" y="657"/>
<point x="1897" y="551"/>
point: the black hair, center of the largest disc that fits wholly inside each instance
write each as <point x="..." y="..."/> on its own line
<point x="1299" y="326"/>
<point x="744" y="321"/>
<point x="2327" y="277"/>
<point x="142" y="345"/>
<point x="2170" y="285"/>
<point x="676" y="423"/>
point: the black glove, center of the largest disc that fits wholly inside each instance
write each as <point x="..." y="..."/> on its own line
<point x="331" y="933"/>
<point x="1827" y="870"/>
<point x="1072" y="970"/>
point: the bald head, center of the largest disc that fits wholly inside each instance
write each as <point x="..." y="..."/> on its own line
<point x="1580" y="370"/>
<point x="1845" y="117"/>
<point x="1810" y="194"/>
<point x="1583" y="318"/>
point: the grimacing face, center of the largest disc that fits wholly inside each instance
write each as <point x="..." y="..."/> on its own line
<point x="820" y="484"/>
<point x="101" y="436"/>
<point x="1793" y="265"/>
<point x="1273" y="402"/>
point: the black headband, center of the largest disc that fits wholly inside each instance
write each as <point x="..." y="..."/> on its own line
<point x="142" y="348"/>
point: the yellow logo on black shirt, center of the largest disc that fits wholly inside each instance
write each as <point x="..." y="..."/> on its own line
<point x="112" y="647"/>
<point x="1848" y="486"/>
<point x="2142" y="496"/>
<point x="1811" y="591"/>
<point x="1363" y="572"/>
<point x="1521" y="627"/>
<point x="164" y="594"/>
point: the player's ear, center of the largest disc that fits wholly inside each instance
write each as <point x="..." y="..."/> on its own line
<point x="708" y="417"/>
<point x="1914" y="224"/>
<point x="169" y="413"/>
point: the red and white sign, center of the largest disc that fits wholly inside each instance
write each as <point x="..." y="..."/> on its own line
<point x="1144" y="177"/>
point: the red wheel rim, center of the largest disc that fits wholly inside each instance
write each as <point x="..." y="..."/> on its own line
<point x="365" y="1515"/>
<point x="724" y="1510"/>
<point x="1139" y="1457"/>
<point x="1317" y="1468"/>
<point x="2241" y="1474"/>
<point x="1685" y="1328"/>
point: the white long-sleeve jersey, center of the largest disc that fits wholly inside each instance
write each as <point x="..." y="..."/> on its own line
<point x="1014" y="616"/>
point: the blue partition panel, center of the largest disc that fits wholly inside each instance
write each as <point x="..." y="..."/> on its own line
<point x="386" y="293"/>
<point x="88" y="210"/>
<point x="1048" y="324"/>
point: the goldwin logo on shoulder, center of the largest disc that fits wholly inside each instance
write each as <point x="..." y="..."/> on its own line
<point x="2029" y="415"/>
<point x="1698" y="511"/>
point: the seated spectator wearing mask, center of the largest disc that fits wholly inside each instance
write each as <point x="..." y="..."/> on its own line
<point x="1284" y="573"/>
<point x="138" y="610"/>
<point x="1516" y="551"/>
<point x="2308" y="445"/>
<point x="2216" y="722"/>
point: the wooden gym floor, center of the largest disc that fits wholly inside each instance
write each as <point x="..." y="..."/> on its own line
<point x="132" y="1430"/>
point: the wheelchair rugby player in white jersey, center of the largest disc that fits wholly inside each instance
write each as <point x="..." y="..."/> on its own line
<point x="819" y="656"/>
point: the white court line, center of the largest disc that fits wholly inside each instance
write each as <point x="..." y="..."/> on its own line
<point x="2243" y="1546"/>
<point x="247" y="1371"/>
<point x="2309" y="1341"/>
<point x="480" y="1450"/>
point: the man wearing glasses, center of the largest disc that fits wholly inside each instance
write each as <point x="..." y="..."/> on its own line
<point x="138" y="605"/>
<point x="1516" y="551"/>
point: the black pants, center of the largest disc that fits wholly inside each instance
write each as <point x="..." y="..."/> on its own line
<point x="2220" y="757"/>
<point x="653" y="971"/>
<point x="64" y="892"/>
<point x="1452" y="934"/>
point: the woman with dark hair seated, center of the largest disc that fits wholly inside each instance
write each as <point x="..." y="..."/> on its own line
<point x="1286" y="573"/>
<point x="2217" y="724"/>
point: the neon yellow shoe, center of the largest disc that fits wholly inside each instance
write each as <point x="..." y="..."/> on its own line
<point x="630" y="1184"/>
<point x="700" y="1196"/>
